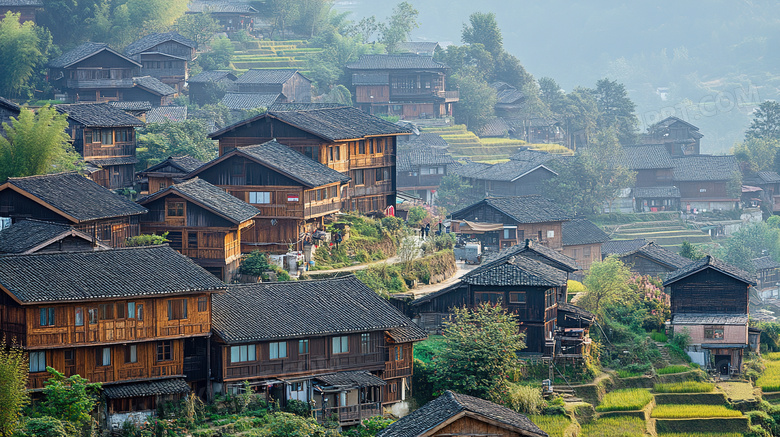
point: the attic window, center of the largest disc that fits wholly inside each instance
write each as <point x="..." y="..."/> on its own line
<point x="175" y="209"/>
<point x="713" y="332"/>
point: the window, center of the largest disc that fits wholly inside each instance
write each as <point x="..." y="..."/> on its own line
<point x="240" y="354"/>
<point x="120" y="311"/>
<point x="93" y="316"/>
<point x="277" y="349"/>
<point x="380" y="174"/>
<point x="550" y="234"/>
<point x="140" y="307"/>
<point x="518" y="297"/>
<point x="586" y="251"/>
<point x="177" y="309"/>
<point x="371" y="146"/>
<point x="340" y="344"/>
<point x="259" y="197"/>
<point x="192" y="240"/>
<point x="509" y="234"/>
<point x="131" y="310"/>
<point x="365" y="343"/>
<point x="491" y="297"/>
<point x="107" y="136"/>
<point x="361" y="147"/>
<point x="106" y="311"/>
<point x="38" y="361"/>
<point x="47" y="316"/>
<point x="174" y="209"/>
<point x="399" y="353"/>
<point x="358" y="177"/>
<point x="103" y="356"/>
<point x="303" y="347"/>
<point x="203" y="304"/>
<point x="70" y="357"/>
<point x="337" y="151"/>
<point x="87" y="136"/>
<point x="164" y="351"/>
<point x="713" y="332"/>
<point x="296" y="386"/>
<point x="131" y="353"/>
<point x="393" y="387"/>
<point x="79" y="317"/>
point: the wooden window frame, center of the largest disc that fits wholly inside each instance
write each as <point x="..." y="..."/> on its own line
<point x="177" y="208"/>
<point x="365" y="343"/>
<point x="107" y="134"/>
<point x="249" y="353"/>
<point x="275" y="350"/>
<point x="100" y="357"/>
<point x="164" y="351"/>
<point x="303" y="347"/>
<point x="106" y="311"/>
<point x="713" y="332"/>
<point x="514" y="297"/>
<point x="47" y="317"/>
<point x="93" y="316"/>
<point x="78" y="316"/>
<point x="131" y="354"/>
<point x="203" y="304"/>
<point x="177" y="309"/>
<point x="35" y="358"/>
<point x="260" y="197"/>
<point x="342" y="340"/>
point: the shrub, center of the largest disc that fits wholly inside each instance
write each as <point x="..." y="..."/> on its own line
<point x="298" y="408"/>
<point x="45" y="426"/>
<point x="525" y="399"/>
<point x="147" y="240"/>
<point x="659" y="337"/>
<point x="622" y="373"/>
<point x="682" y="339"/>
<point x="255" y="264"/>
<point x="575" y="287"/>
<point x="693" y="411"/>
<point x="772" y="356"/>
<point x="684" y="387"/>
<point x="625" y="400"/>
<point x="416" y="215"/>
<point x="679" y="368"/>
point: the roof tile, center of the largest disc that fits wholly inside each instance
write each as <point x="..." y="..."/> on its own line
<point x="582" y="231"/>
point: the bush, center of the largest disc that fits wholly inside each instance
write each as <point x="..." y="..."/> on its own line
<point x="416" y="216"/>
<point x="575" y="287"/>
<point x="147" y="240"/>
<point x="298" y="408"/>
<point x="693" y="411"/>
<point x="46" y="426"/>
<point x="625" y="400"/>
<point x="622" y="373"/>
<point x="682" y="339"/>
<point x="525" y="399"/>
<point x="679" y="368"/>
<point x="255" y="264"/>
<point x="684" y="387"/>
<point x="659" y="337"/>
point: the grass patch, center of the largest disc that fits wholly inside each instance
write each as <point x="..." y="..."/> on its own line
<point x="614" y="426"/>
<point x="737" y="391"/>
<point x="684" y="387"/>
<point x="678" y="368"/>
<point x="692" y="411"/>
<point x="659" y="337"/>
<point x="427" y="349"/>
<point x="555" y="426"/>
<point x="770" y="379"/>
<point x="622" y="373"/>
<point x="772" y="356"/>
<point x="699" y="434"/>
<point x="625" y="400"/>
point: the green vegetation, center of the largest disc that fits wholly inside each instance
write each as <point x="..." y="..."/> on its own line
<point x="659" y="337"/>
<point x="614" y="426"/>
<point x="158" y="141"/>
<point x="671" y="411"/>
<point x="673" y="369"/>
<point x="552" y="425"/>
<point x="769" y="381"/>
<point x="623" y="373"/>
<point x="427" y="349"/>
<point x="625" y="400"/>
<point x="13" y="386"/>
<point x="684" y="387"/>
<point x="24" y="49"/>
<point x="258" y="264"/>
<point x="700" y="434"/>
<point x="147" y="240"/>
<point x="394" y="278"/>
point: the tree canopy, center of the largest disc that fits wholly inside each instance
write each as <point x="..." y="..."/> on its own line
<point x="483" y="29"/>
<point x="24" y="49"/>
<point x="399" y="26"/>
<point x="616" y="110"/>
<point x="766" y="122"/>
<point x="607" y="282"/>
<point x="158" y="141"/>
<point x="13" y="387"/>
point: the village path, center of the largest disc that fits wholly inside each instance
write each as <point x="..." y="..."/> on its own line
<point x="391" y="260"/>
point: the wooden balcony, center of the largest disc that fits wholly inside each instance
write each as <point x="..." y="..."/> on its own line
<point x="357" y="161"/>
<point x="421" y="181"/>
<point x="391" y="371"/>
<point x="351" y="414"/>
<point x="99" y="83"/>
<point x="449" y="96"/>
<point x="117" y="149"/>
<point x="285" y="367"/>
<point x="371" y="190"/>
<point x="317" y="209"/>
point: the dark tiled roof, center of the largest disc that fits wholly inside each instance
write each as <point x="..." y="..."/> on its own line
<point x="164" y="114"/>
<point x="660" y="254"/>
<point x="426" y="139"/>
<point x="582" y="231"/>
<point x="507" y="94"/>
<point x="185" y="164"/>
<point x="522" y="209"/>
<point x="122" y="160"/>
<point x="646" y="157"/>
<point x="212" y="76"/>
<point x="103" y="274"/>
<point x="146" y="388"/>
<point x="523" y="163"/>
<point x="84" y="51"/>
<point x="710" y="319"/>
<point x="331" y="124"/>
<point x="538" y="252"/>
<point x="370" y="78"/>
<point x="710" y="262"/>
<point x="264" y="77"/>
<point x="407" y="333"/>
<point x="656" y="192"/>
<point x="249" y="100"/>
<point x="409" y="160"/>
<point x="574" y="309"/>
<point x="396" y="62"/>
<point x="28" y="234"/>
<point x="704" y="168"/>
<point x="155" y="39"/>
<point x="210" y="197"/>
<point x="441" y="409"/>
<point x="763" y="263"/>
<point x="10" y="105"/>
<point x="516" y="270"/>
<point x="302" y="106"/>
<point x="132" y="106"/>
<point x="221" y="7"/>
<point x="495" y="127"/>
<point x="153" y="85"/>
<point x="426" y="48"/>
<point x="99" y="115"/>
<point x="768" y="176"/>
<point x="668" y="121"/>
<point x="38" y="3"/>
<point x="471" y="169"/>
<point x="618" y="247"/>
<point x="351" y="379"/>
<point x="301" y="308"/>
<point x="77" y="196"/>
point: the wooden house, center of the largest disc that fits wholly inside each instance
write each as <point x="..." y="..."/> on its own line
<point x="112" y="316"/>
<point x="510" y="102"/>
<point x="655" y="188"/>
<point x="27" y="9"/>
<point x="613" y="247"/>
<point x="149" y="89"/>
<point x="232" y="16"/>
<point x="454" y="414"/>
<point x="290" y="83"/>
<point x="72" y="199"/>
<point x="166" y="173"/>
<point x="203" y="222"/>
<point x="679" y="137"/>
<point x="527" y="288"/>
<point x="93" y="72"/>
<point x="238" y="103"/>
<point x="164" y="56"/>
<point x="421" y="169"/>
<point x="405" y="85"/>
<point x="500" y="222"/>
<point x="767" y="272"/>
<point x="650" y="259"/>
<point x="34" y="236"/>
<point x="710" y="302"/>
<point x="706" y="182"/>
<point x="360" y="146"/>
<point x="8" y="109"/>
<point x="209" y="87"/>
<point x="538" y="252"/>
<point x="769" y="183"/>
<point x="526" y="173"/>
<point x="333" y="343"/>
<point x="167" y="114"/>
<point x="293" y="192"/>
<point x="105" y="138"/>
<point x="136" y="109"/>
<point x="582" y="241"/>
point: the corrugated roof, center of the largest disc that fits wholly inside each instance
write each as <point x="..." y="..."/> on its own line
<point x="212" y="76"/>
<point x="709" y="319"/>
<point x="163" y="114"/>
<point x="645" y="157"/>
<point x="660" y="255"/>
<point x="28" y="234"/>
<point x="516" y="270"/>
<point x="185" y="164"/>
<point x="146" y="388"/>
<point x="539" y="252"/>
<point x="613" y="247"/>
<point x="153" y="85"/>
<point x="764" y="263"/>
<point x="350" y="380"/>
<point x="260" y="76"/>
<point x="412" y="159"/>
<point x="523" y="209"/>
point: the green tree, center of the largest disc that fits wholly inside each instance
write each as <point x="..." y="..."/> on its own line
<point x="70" y="399"/>
<point x="483" y="29"/>
<point x="581" y="112"/>
<point x="757" y="154"/>
<point x="751" y="241"/>
<point x="219" y="56"/>
<point x="766" y="122"/>
<point x="607" y="283"/>
<point x="281" y="424"/>
<point x="282" y="13"/>
<point x="23" y="49"/>
<point x="399" y="26"/>
<point x="616" y="110"/>
<point x="690" y="251"/>
<point x="197" y="27"/>
<point x="369" y="427"/>
<point x="453" y="193"/>
<point x="158" y="141"/>
<point x="311" y="16"/>
<point x="36" y="143"/>
<point x="147" y="240"/>
<point x="477" y="100"/>
<point x="13" y="386"/>
<point x="472" y="59"/>
<point x="479" y="353"/>
<point x="552" y="95"/>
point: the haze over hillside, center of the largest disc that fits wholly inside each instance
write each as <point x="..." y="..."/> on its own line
<point x="714" y="58"/>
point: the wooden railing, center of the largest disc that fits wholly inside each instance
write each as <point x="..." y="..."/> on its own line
<point x="281" y="367"/>
<point x="350" y="414"/>
<point x="432" y="180"/>
<point x="117" y="149"/>
<point x="99" y="83"/>
<point x="370" y="161"/>
<point x="333" y="205"/>
<point x="391" y="371"/>
<point x="279" y="210"/>
<point x="205" y="252"/>
<point x="369" y="190"/>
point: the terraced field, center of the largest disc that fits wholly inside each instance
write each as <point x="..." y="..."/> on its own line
<point x="668" y="233"/>
<point x="271" y="54"/>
